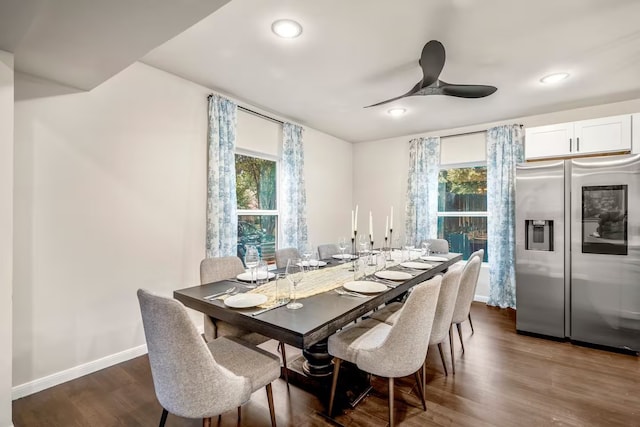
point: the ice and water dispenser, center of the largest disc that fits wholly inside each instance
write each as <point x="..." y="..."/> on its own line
<point x="538" y="235"/>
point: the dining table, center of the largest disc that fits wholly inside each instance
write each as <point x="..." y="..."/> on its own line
<point x="324" y="310"/>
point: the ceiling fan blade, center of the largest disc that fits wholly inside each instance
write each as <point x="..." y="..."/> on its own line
<point x="466" y="91"/>
<point x="432" y="62"/>
<point x="413" y="90"/>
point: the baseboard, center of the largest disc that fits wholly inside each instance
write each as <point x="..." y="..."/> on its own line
<point x="481" y="298"/>
<point x="52" y="380"/>
<point x="40" y="384"/>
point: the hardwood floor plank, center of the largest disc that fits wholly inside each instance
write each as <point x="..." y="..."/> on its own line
<point x="503" y="379"/>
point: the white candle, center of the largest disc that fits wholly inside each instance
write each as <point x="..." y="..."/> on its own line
<point x="352" y="225"/>
<point x="355" y="226"/>
<point x="386" y="227"/>
<point x="391" y="222"/>
<point x="370" y="226"/>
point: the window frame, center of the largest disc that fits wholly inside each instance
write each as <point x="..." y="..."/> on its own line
<point x="263" y="212"/>
<point x="460" y="214"/>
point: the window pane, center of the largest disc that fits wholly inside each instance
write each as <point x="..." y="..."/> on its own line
<point x="463" y="189"/>
<point x="465" y="234"/>
<point x="255" y="183"/>
<point x="259" y="231"/>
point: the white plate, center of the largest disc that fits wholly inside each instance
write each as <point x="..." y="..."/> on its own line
<point x="416" y="265"/>
<point x="246" y="276"/>
<point x="319" y="263"/>
<point x="434" y="258"/>
<point x="341" y="256"/>
<point x="245" y="300"/>
<point x="365" y="287"/>
<point x="393" y="275"/>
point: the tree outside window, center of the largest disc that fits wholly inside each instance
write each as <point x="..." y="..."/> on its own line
<point x="256" y="191"/>
<point x="462" y="209"/>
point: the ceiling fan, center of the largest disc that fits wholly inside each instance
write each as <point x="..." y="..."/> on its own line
<point x="432" y="61"/>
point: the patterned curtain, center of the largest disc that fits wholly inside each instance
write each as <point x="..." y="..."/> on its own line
<point x="293" y="209"/>
<point x="504" y="151"/>
<point x="422" y="189"/>
<point x="222" y="220"/>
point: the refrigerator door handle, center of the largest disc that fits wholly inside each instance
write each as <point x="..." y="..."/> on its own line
<point x="578" y="143"/>
<point x="570" y="145"/>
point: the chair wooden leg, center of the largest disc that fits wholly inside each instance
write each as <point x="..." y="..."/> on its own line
<point x="334" y="383"/>
<point x="272" y="410"/>
<point x="163" y="418"/>
<point x="471" y="323"/>
<point x="424" y="375"/>
<point x="284" y="362"/>
<point x="444" y="364"/>
<point x="239" y="415"/>
<point x="390" y="402"/>
<point x="453" y="361"/>
<point x="421" y="389"/>
<point x="459" y="326"/>
<point x="206" y="422"/>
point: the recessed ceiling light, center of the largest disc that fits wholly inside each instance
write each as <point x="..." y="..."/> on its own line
<point x="286" y="28"/>
<point x="395" y="112"/>
<point x="554" y="78"/>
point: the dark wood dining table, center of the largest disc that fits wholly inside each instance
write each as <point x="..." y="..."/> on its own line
<point x="309" y="327"/>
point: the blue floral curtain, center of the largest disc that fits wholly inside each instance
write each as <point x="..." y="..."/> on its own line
<point x="422" y="189"/>
<point x="222" y="220"/>
<point x="293" y="209"/>
<point x="504" y="151"/>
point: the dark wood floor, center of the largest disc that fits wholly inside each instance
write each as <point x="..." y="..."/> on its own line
<point x="503" y="379"/>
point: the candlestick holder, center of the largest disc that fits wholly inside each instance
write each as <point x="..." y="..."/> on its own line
<point x="391" y="238"/>
<point x="353" y="242"/>
<point x="386" y="249"/>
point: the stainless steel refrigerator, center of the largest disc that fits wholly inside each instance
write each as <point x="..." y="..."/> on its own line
<point x="578" y="250"/>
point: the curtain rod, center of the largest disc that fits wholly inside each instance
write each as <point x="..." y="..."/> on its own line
<point x="470" y="133"/>
<point x="255" y="113"/>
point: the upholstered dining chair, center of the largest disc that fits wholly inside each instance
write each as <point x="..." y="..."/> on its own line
<point x="441" y="328"/>
<point x="284" y="255"/>
<point x="468" y="283"/>
<point x="390" y="351"/>
<point x="194" y="379"/>
<point x="214" y="270"/>
<point x="328" y="250"/>
<point x="438" y="246"/>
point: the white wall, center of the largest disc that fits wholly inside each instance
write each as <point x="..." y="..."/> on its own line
<point x="380" y="167"/>
<point x="110" y="197"/>
<point x="6" y="232"/>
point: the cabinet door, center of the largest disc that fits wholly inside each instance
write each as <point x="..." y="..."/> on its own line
<point x="548" y="141"/>
<point x="602" y="135"/>
<point x="635" y="134"/>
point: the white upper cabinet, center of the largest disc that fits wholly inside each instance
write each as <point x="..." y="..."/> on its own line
<point x="608" y="134"/>
<point x="635" y="134"/>
<point x="548" y="141"/>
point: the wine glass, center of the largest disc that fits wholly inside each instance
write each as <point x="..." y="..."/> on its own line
<point x="306" y="253"/>
<point x="295" y="272"/>
<point x="409" y="246"/>
<point x="381" y="261"/>
<point x="251" y="260"/>
<point x="425" y="249"/>
<point x="362" y="241"/>
<point x="342" y="245"/>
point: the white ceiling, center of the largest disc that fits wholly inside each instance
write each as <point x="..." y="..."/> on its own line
<point x="81" y="43"/>
<point x="352" y="53"/>
<point x="358" y="52"/>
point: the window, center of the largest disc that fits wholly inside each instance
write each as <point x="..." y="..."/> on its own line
<point x="256" y="190"/>
<point x="462" y="208"/>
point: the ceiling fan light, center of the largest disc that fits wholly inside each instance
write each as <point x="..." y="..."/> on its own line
<point x="396" y="112"/>
<point x="286" y="28"/>
<point x="554" y="78"/>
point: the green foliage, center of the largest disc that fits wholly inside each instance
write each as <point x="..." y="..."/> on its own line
<point x="464" y="180"/>
<point x="255" y="183"/>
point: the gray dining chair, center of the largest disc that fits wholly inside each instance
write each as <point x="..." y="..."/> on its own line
<point x="444" y="313"/>
<point x="437" y="246"/>
<point x="284" y="255"/>
<point x="221" y="268"/>
<point x="390" y="351"/>
<point x="328" y="250"/>
<point x="194" y="379"/>
<point x="214" y="270"/>
<point x="466" y="293"/>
